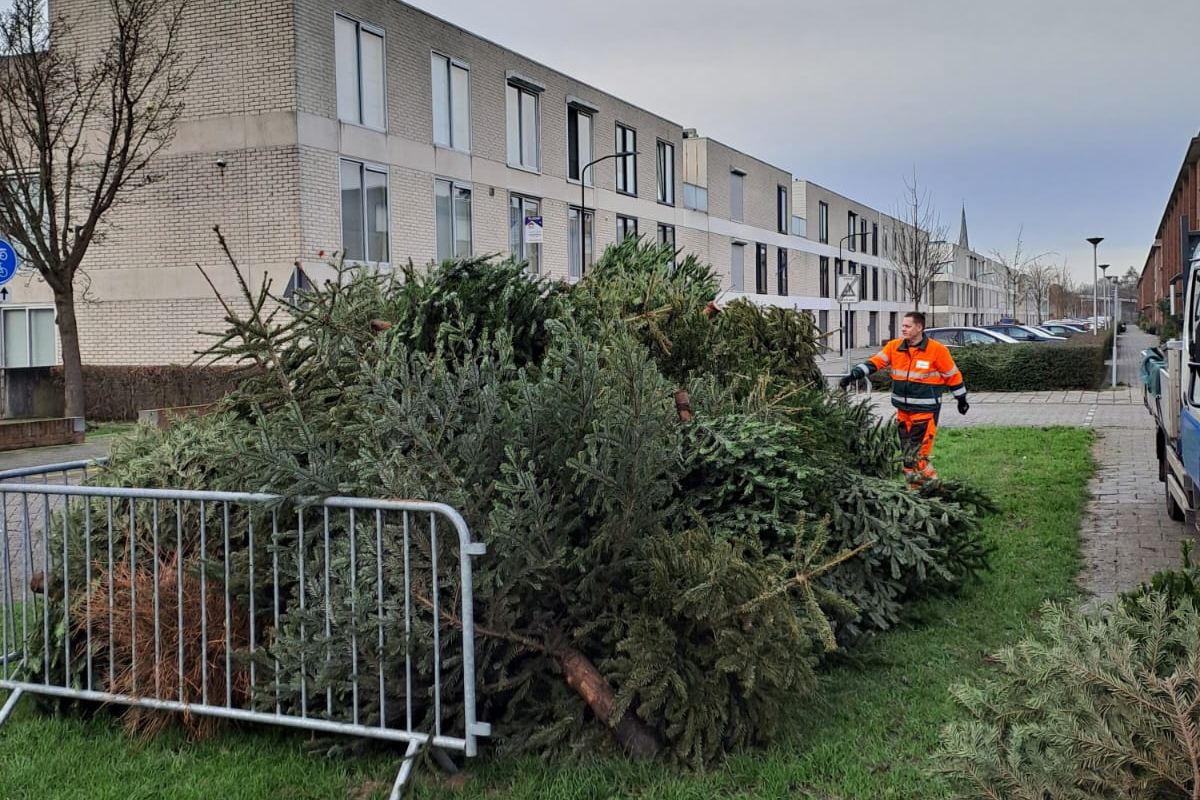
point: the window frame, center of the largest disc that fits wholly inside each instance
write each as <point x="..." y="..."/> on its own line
<point x="587" y="232"/>
<point x="373" y="30"/>
<point x="452" y="63"/>
<point x="823" y="222"/>
<point x="761" y="269"/>
<point x="578" y="110"/>
<point x="629" y="225"/>
<point x="781" y="208"/>
<point x="664" y="189"/>
<point x="533" y="266"/>
<point x="454" y="239"/>
<point x="27" y="311"/>
<point x="523" y="89"/>
<point x="824" y="275"/>
<point x="781" y="271"/>
<point x="365" y="167"/>
<point x="662" y="229"/>
<point x="851" y="231"/>
<point x="626" y="168"/>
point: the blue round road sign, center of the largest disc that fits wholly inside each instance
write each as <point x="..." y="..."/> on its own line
<point x="8" y="262"/>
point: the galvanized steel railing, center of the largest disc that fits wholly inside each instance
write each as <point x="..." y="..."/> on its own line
<point x="73" y="560"/>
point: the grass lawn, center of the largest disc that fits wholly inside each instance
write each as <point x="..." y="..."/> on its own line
<point x="870" y="736"/>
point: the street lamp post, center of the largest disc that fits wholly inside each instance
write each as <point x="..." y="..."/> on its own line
<point x="582" y="187"/>
<point x="1114" y="280"/>
<point x="845" y="315"/>
<point x="1104" y="304"/>
<point x="1095" y="240"/>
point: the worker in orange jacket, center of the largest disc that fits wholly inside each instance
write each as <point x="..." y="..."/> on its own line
<point x="921" y="369"/>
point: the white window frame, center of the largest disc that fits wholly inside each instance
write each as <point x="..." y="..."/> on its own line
<point x="453" y="186"/>
<point x="665" y="181"/>
<point x="516" y="125"/>
<point x="360" y="103"/>
<point x="519" y="248"/>
<point x="27" y="312"/>
<point x="459" y="129"/>
<point x="364" y="168"/>
<point x="695" y="196"/>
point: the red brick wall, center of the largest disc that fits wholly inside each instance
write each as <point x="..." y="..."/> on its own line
<point x="19" y="434"/>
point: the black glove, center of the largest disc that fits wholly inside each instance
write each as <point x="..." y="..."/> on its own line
<point x="963" y="405"/>
<point x="846" y="381"/>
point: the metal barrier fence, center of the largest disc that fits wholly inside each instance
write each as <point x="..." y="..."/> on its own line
<point x="342" y="615"/>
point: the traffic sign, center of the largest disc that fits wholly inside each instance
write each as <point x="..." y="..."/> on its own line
<point x="8" y="262"/>
<point x="847" y="289"/>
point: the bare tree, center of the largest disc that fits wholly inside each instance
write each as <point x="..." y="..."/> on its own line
<point x="1014" y="269"/>
<point x="1039" y="278"/>
<point x="921" y="251"/>
<point x="81" y="121"/>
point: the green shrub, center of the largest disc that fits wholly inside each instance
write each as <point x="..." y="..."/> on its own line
<point x="1077" y="363"/>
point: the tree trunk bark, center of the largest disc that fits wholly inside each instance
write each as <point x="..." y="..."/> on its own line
<point x="631" y="733"/>
<point x="68" y="334"/>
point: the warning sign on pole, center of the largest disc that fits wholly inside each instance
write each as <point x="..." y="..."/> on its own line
<point x="847" y="289"/>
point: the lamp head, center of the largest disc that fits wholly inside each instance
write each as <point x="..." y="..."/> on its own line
<point x="1095" y="240"/>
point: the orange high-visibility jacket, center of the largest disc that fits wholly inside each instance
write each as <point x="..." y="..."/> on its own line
<point x="919" y="373"/>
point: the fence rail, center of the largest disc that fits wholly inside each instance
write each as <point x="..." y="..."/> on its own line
<point x="343" y="615"/>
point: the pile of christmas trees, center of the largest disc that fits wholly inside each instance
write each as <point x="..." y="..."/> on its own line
<point x="680" y="519"/>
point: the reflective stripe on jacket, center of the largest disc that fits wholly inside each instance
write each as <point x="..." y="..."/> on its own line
<point x="919" y="373"/>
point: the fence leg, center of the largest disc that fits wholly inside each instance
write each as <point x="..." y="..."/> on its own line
<point x="10" y="704"/>
<point x="405" y="769"/>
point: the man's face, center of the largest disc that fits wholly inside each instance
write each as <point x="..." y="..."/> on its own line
<point x="910" y="330"/>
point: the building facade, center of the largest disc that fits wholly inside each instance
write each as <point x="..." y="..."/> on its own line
<point x="1161" y="278"/>
<point x="371" y="131"/>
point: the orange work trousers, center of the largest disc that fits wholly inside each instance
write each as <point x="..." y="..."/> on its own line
<point x="917" y="430"/>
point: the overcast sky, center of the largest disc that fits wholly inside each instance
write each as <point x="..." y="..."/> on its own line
<point x="1067" y="117"/>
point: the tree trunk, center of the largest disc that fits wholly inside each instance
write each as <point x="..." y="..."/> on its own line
<point x="635" y="736"/>
<point x="68" y="334"/>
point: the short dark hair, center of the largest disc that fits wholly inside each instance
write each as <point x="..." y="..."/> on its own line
<point x="917" y="317"/>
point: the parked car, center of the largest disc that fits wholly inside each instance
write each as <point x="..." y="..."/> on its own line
<point x="958" y="337"/>
<point x="1078" y="323"/>
<point x="1062" y="329"/>
<point x="1026" y="333"/>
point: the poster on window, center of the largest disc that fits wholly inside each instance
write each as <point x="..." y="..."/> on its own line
<point x="533" y="230"/>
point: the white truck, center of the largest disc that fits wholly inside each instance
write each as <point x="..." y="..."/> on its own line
<point x="1171" y="391"/>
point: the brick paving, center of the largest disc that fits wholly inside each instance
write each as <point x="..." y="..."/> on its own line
<point x="1126" y="535"/>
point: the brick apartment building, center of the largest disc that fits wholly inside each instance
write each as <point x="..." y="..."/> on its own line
<point x="372" y="129"/>
<point x="1168" y="254"/>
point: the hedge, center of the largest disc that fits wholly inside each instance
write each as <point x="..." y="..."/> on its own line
<point x="119" y="392"/>
<point x="1077" y="363"/>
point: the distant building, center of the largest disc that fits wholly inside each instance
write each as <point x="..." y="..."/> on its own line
<point x="1166" y="262"/>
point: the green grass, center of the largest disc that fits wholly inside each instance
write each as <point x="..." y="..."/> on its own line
<point x="870" y="736"/>
<point x="102" y="428"/>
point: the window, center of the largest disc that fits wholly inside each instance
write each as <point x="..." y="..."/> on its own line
<point x="824" y="278"/>
<point x="626" y="227"/>
<point x="799" y="228"/>
<point x="781" y="283"/>
<point x="666" y="173"/>
<point x="695" y="197"/>
<point x="521" y="209"/>
<point x="735" y="195"/>
<point x="862" y="283"/>
<point x="451" y="103"/>
<point x="666" y="234"/>
<point x="875" y="283"/>
<point x="358" y="50"/>
<point x="626" y="167"/>
<point x="851" y="229"/>
<point x="29" y="337"/>
<point x="737" y="266"/>
<point x="862" y="230"/>
<point x="522" y="121"/>
<point x="781" y="209"/>
<point x="823" y="321"/>
<point x="579" y="144"/>
<point x="364" y="212"/>
<point x="575" y="269"/>
<point x="760" y="270"/>
<point x="874" y="239"/>
<point x="823" y="224"/>
<point x="452" y="208"/>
